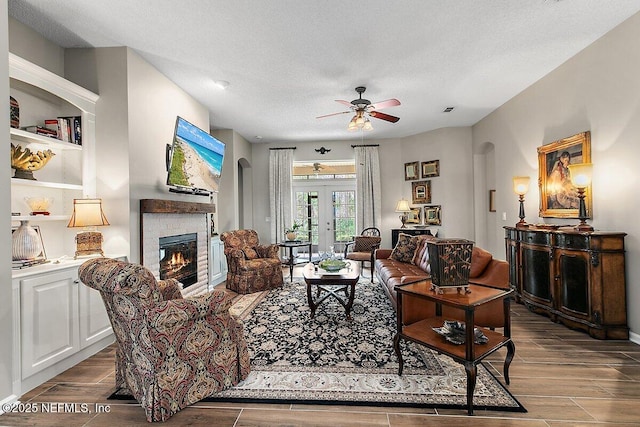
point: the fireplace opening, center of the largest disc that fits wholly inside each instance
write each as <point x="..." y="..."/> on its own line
<point x="179" y="258"/>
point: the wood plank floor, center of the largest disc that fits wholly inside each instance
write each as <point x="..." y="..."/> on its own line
<point x="564" y="378"/>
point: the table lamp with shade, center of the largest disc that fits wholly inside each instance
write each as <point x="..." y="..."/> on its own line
<point x="403" y="207"/>
<point x="581" y="179"/>
<point x="521" y="187"/>
<point x="88" y="214"/>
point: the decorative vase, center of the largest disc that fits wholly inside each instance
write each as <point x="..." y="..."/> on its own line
<point x="291" y="235"/>
<point x="25" y="242"/>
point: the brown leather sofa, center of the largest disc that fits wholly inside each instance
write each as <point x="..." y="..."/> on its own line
<point x="485" y="270"/>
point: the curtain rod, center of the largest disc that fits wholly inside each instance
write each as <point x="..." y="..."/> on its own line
<point x="283" y="148"/>
<point x="369" y="145"/>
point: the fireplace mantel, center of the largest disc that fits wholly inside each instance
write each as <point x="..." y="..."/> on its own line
<point x="172" y="206"/>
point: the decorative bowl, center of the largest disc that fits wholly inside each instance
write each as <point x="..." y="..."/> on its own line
<point x="39" y="205"/>
<point x="332" y="264"/>
<point x="454" y="332"/>
<point x="25" y="161"/>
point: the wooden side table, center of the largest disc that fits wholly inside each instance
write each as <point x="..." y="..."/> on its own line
<point x="470" y="354"/>
<point x="291" y="261"/>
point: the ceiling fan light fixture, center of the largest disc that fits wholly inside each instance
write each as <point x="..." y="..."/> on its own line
<point x="367" y="125"/>
<point x="352" y="124"/>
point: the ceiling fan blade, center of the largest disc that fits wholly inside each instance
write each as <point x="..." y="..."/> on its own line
<point x="347" y="103"/>
<point x="383" y="116"/>
<point x="385" y="104"/>
<point x="334" y="114"/>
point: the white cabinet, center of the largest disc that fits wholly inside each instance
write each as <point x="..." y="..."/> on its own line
<point x="70" y="173"/>
<point x="49" y="329"/>
<point x="58" y="322"/>
<point x="217" y="262"/>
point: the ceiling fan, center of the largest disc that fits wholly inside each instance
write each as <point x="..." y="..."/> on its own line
<point x="363" y="109"/>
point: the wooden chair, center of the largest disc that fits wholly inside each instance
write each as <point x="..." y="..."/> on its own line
<point x="362" y="248"/>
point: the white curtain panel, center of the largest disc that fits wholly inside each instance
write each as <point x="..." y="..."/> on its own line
<point x="368" y="189"/>
<point x="280" y="189"/>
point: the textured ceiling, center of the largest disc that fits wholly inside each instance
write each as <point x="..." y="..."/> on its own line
<point x="287" y="61"/>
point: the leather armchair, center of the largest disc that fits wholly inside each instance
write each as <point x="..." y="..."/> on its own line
<point x="252" y="267"/>
<point x="172" y="351"/>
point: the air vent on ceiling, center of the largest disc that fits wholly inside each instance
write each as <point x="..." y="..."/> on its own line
<point x="448" y="109"/>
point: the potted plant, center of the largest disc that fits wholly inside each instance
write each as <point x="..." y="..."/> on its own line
<point x="292" y="232"/>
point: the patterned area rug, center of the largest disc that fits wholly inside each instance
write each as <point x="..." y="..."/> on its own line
<point x="331" y="360"/>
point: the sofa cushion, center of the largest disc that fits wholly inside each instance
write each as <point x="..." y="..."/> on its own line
<point x="405" y="248"/>
<point x="480" y="259"/>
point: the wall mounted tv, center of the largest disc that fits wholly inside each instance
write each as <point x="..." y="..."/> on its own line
<point x="194" y="160"/>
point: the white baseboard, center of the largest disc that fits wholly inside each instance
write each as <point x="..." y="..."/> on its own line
<point x="12" y="398"/>
<point x="634" y="338"/>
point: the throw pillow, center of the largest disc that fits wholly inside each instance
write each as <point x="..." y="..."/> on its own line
<point x="405" y="248"/>
<point x="250" y="253"/>
<point x="366" y="243"/>
<point x="479" y="261"/>
<point x="421" y="255"/>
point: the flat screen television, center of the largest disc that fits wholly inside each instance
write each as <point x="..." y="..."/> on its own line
<point x="194" y="160"/>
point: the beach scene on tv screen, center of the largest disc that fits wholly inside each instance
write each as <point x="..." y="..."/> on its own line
<point x="197" y="158"/>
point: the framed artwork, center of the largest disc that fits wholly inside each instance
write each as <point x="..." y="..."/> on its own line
<point x="413" y="216"/>
<point x="430" y="168"/>
<point x="421" y="192"/>
<point x="492" y="200"/>
<point x="411" y="171"/>
<point x="433" y="215"/>
<point x="558" y="197"/>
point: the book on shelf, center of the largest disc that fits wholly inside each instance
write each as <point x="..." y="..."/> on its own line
<point x="71" y="128"/>
<point x="24" y="263"/>
<point x="39" y="130"/>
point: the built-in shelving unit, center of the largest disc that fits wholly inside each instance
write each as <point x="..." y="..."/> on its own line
<point x="57" y="321"/>
<point x="70" y="174"/>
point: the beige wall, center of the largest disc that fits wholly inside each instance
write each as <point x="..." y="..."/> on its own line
<point x="597" y="90"/>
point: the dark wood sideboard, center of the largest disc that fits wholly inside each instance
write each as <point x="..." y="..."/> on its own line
<point x="576" y="278"/>
<point x="412" y="231"/>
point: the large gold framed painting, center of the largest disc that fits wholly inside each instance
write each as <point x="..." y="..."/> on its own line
<point x="558" y="196"/>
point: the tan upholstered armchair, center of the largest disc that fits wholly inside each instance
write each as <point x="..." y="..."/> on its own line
<point x="172" y="352"/>
<point x="363" y="247"/>
<point x="252" y="267"/>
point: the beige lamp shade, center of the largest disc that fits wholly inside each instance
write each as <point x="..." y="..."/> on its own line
<point x="581" y="174"/>
<point x="87" y="213"/>
<point x="521" y="185"/>
<point x="403" y="206"/>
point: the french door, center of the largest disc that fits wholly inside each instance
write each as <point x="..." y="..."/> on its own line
<point x="327" y="211"/>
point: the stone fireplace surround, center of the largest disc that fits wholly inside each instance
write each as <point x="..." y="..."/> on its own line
<point x="163" y="218"/>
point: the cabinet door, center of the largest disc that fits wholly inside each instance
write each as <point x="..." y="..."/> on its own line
<point x="49" y="320"/>
<point x="217" y="262"/>
<point x="94" y="321"/>
<point x="572" y="269"/>
<point x="512" y="259"/>
<point x="537" y="281"/>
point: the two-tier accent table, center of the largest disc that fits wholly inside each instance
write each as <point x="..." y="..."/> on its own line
<point x="469" y="354"/>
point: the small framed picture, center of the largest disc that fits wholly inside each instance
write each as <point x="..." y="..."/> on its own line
<point x="433" y="215"/>
<point x="492" y="200"/>
<point x="413" y="216"/>
<point x="421" y="192"/>
<point x="411" y="171"/>
<point x="430" y="168"/>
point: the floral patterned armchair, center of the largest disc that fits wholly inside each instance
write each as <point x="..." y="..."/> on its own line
<point x="252" y="267"/>
<point x="172" y="352"/>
